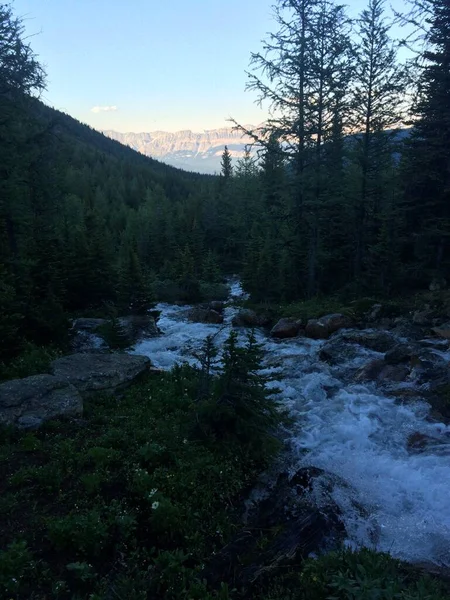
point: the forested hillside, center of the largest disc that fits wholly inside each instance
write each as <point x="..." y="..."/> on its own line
<point x="338" y="203"/>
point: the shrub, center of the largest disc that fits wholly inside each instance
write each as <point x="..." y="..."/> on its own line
<point x="33" y="360"/>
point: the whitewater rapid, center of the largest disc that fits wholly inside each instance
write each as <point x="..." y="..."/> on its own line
<point x="391" y="499"/>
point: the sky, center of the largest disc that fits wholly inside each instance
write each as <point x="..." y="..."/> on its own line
<point x="146" y="65"/>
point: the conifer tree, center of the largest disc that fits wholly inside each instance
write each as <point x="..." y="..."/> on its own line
<point x="428" y="172"/>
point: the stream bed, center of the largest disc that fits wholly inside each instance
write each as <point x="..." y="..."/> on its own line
<point x="391" y="499"/>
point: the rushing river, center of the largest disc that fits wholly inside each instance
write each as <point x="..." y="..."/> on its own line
<point x="354" y="431"/>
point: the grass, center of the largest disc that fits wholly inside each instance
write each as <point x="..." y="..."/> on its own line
<point x="123" y="504"/>
<point x="130" y="504"/>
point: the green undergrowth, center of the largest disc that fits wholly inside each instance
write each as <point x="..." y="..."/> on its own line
<point x="131" y="501"/>
<point x="33" y="360"/>
<point x="314" y="308"/>
<point x="348" y="575"/>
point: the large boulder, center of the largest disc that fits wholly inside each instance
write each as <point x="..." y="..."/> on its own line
<point x="379" y="341"/>
<point x="336" y="351"/>
<point x="249" y="318"/>
<point x="107" y="373"/>
<point x="286" y="328"/>
<point x="378" y="370"/>
<point x="423" y="317"/>
<point x="86" y="336"/>
<point x="205" y="315"/>
<point x="87" y="324"/>
<point x="442" y="331"/>
<point x="28" y="402"/>
<point x="293" y="526"/>
<point x="217" y="305"/>
<point x="137" y="327"/>
<point x="401" y="353"/>
<point x="321" y="329"/>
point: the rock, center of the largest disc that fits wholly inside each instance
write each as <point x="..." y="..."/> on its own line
<point x="335" y="322"/>
<point x="217" y="305"/>
<point x="394" y="373"/>
<point x="423" y="317"/>
<point x="28" y="402"/>
<point x="401" y="353"/>
<point x="249" y="318"/>
<point x="442" y="331"/>
<point x="85" y="336"/>
<point x="336" y="351"/>
<point x="137" y="327"/>
<point x="417" y="442"/>
<point x="375" y="312"/>
<point x="205" y="315"/>
<point x="378" y="370"/>
<point x="87" y="324"/>
<point x="321" y="329"/>
<point x="316" y="330"/>
<point x="370" y="371"/>
<point x="406" y="329"/>
<point x="107" y="373"/>
<point x="379" y="341"/>
<point x="293" y="526"/>
<point x="437" y="284"/>
<point x="286" y="328"/>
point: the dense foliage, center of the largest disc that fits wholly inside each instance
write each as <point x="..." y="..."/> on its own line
<point x="135" y="498"/>
<point x="132" y="501"/>
<point x="341" y="200"/>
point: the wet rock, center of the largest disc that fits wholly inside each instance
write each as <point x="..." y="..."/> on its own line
<point x="378" y="370"/>
<point x="336" y="351"/>
<point x="292" y="525"/>
<point x="370" y="371"/>
<point x="423" y="317"/>
<point x="437" y="284"/>
<point x="249" y="318"/>
<point x="417" y="442"/>
<point x="28" y="402"/>
<point x="286" y="328"/>
<point x="316" y="330"/>
<point x="401" y="353"/>
<point x="87" y="324"/>
<point x="137" y="327"/>
<point x="107" y="373"/>
<point x="205" y="315"/>
<point x="379" y="341"/>
<point x="394" y="373"/>
<point x="217" y="305"/>
<point x="430" y="368"/>
<point x="321" y="329"/>
<point x="442" y="331"/>
<point x="406" y="329"/>
<point x="335" y="322"/>
<point x="375" y="312"/>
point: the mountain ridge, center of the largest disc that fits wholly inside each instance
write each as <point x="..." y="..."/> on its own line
<point x="186" y="149"/>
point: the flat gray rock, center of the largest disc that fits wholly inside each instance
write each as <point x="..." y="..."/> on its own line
<point x="28" y="402"/>
<point x="108" y="373"/>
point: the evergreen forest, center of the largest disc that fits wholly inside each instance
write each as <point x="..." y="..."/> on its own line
<point x="343" y="197"/>
<point x="348" y="194"/>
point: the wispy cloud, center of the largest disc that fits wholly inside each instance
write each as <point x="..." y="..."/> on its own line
<point x="99" y="109"/>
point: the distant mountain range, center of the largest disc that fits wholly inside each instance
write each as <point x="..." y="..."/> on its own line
<point x="200" y="152"/>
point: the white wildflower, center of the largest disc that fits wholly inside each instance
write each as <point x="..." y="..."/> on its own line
<point x="155" y="505"/>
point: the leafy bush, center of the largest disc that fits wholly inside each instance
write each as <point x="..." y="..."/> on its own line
<point x="348" y="575"/>
<point x="16" y="567"/>
<point x="33" y="360"/>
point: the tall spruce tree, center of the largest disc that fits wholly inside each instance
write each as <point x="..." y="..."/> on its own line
<point x="379" y="84"/>
<point x="428" y="170"/>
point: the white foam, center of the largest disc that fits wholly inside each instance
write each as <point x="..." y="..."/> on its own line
<point x="353" y="431"/>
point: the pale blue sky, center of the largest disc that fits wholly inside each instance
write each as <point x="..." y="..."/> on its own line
<point x="160" y="64"/>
